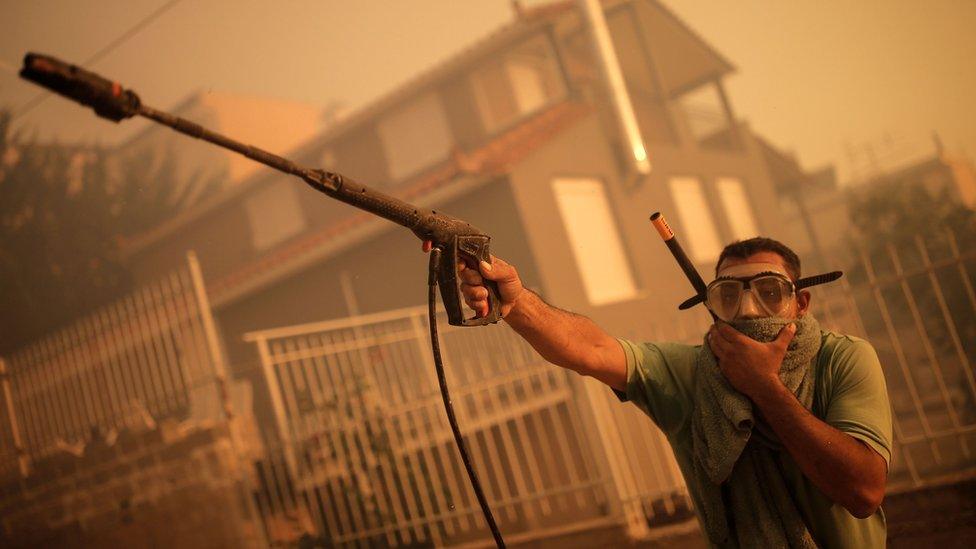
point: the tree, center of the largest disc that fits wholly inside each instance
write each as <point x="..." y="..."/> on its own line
<point x="64" y="210"/>
<point x="900" y="211"/>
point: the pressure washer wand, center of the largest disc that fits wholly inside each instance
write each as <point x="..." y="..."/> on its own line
<point x="455" y="239"/>
<point x="678" y="252"/>
<point x="459" y="240"/>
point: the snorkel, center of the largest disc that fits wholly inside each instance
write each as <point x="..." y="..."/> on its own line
<point x="701" y="289"/>
<point x="671" y="241"/>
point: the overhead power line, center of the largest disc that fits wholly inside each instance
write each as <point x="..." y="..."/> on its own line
<point x="100" y="54"/>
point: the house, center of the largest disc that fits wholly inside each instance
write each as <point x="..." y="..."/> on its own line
<point x="515" y="135"/>
<point x="278" y="124"/>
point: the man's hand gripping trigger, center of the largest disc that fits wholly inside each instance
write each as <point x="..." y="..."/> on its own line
<point x="472" y="284"/>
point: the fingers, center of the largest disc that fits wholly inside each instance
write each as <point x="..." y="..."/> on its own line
<point x="472" y="288"/>
<point x="474" y="292"/>
<point x="498" y="270"/>
<point x="726" y="340"/>
<point x="473" y="282"/>
<point x="786" y="335"/>
<point x="719" y="345"/>
<point x="476" y="297"/>
<point x="470" y="276"/>
<point x="728" y="333"/>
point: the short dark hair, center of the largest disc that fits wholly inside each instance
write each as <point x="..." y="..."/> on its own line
<point x="742" y="249"/>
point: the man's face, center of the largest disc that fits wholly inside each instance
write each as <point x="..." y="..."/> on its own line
<point x="737" y="267"/>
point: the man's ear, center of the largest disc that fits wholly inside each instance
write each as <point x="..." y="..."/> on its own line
<point x="802" y="303"/>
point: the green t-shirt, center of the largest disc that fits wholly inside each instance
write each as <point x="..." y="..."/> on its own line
<point x="849" y="395"/>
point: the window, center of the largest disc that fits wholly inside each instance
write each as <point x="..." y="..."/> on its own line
<point x="415" y="136"/>
<point x="696" y="219"/>
<point x="274" y="214"/>
<point x="595" y="241"/>
<point x="736" y="203"/>
<point x="707" y="118"/>
<point x="517" y="83"/>
<point x="530" y="91"/>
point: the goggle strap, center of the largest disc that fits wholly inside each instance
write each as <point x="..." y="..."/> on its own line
<point x="818" y="279"/>
<point x="800" y="284"/>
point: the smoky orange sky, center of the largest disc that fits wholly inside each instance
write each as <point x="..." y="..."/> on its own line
<point x="828" y="80"/>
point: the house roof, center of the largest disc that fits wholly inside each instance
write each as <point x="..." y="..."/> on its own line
<point x="457" y="174"/>
<point x="714" y="63"/>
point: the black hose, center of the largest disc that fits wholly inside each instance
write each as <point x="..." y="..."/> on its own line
<point x="435" y="257"/>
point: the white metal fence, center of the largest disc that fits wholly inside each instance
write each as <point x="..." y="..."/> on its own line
<point x="361" y="455"/>
<point x="915" y="302"/>
<point x="141" y="358"/>
<point x="368" y="457"/>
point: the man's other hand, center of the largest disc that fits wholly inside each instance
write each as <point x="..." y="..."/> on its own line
<point x="473" y="287"/>
<point x="749" y="365"/>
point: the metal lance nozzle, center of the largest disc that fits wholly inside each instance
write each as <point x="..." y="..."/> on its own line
<point x="107" y="98"/>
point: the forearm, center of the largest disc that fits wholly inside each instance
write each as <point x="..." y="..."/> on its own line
<point x="847" y="471"/>
<point x="568" y="340"/>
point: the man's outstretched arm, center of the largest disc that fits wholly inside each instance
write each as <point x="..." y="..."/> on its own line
<point x="563" y="338"/>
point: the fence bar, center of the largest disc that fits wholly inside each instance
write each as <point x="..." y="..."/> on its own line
<point x="23" y="461"/>
<point x="963" y="272"/>
<point x="92" y="347"/>
<point x="536" y="482"/>
<point x="178" y="371"/>
<point x="215" y="352"/>
<point x="33" y="408"/>
<point x="133" y="343"/>
<point x="334" y="516"/>
<point x="950" y="324"/>
<point x="60" y="371"/>
<point x="156" y="344"/>
<point x="367" y="392"/>
<point x="852" y="307"/>
<point x="402" y="356"/>
<point x="341" y="505"/>
<point x="77" y="362"/>
<point x="900" y="354"/>
<point x="128" y="356"/>
<point x="926" y="344"/>
<point x="423" y="456"/>
<point x="328" y="421"/>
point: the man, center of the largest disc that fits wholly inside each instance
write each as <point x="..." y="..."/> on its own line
<point x="783" y="435"/>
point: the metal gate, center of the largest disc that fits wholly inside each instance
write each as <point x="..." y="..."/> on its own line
<point x="366" y="456"/>
<point x="141" y="358"/>
<point x="915" y="302"/>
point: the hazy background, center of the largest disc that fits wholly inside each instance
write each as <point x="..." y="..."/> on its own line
<point x="831" y="81"/>
<point x="149" y="397"/>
